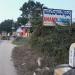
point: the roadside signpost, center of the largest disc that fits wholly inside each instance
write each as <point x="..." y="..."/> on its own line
<point x="67" y="69"/>
<point x="72" y="55"/>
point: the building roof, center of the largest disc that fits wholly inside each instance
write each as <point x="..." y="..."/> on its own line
<point x="28" y="24"/>
<point x="19" y="30"/>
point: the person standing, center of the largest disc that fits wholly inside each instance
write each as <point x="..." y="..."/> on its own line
<point x="8" y="36"/>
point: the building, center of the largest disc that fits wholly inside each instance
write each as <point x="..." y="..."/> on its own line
<point x="24" y="30"/>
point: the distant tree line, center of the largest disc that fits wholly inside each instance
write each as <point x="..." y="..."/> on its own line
<point x="8" y="25"/>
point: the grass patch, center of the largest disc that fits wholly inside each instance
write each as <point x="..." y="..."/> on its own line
<point x="20" y="41"/>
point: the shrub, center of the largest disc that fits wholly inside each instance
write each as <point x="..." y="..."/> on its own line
<point x="21" y="41"/>
<point x="54" y="42"/>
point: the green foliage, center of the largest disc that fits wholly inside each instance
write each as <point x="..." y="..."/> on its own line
<point x="32" y="11"/>
<point x="29" y="8"/>
<point x="20" y="41"/>
<point x="22" y="20"/>
<point x="51" y="41"/>
<point x="6" y="25"/>
<point x="54" y="43"/>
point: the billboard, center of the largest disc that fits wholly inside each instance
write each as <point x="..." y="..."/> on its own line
<point x="52" y="17"/>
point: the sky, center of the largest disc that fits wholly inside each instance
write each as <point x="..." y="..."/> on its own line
<point x="9" y="9"/>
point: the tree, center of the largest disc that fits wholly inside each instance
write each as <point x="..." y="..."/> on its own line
<point x="22" y="20"/>
<point x="7" y="25"/>
<point x="29" y="9"/>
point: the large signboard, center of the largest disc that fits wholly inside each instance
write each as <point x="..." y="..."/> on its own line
<point x="52" y="17"/>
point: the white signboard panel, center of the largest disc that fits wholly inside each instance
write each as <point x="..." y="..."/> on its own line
<point x="51" y="17"/>
<point x="72" y="55"/>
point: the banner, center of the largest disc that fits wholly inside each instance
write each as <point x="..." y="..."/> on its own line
<point x="52" y="17"/>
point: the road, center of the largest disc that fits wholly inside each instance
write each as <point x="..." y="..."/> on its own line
<point x="6" y="64"/>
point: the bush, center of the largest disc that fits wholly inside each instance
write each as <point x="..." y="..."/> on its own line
<point x="21" y="41"/>
<point x="54" y="42"/>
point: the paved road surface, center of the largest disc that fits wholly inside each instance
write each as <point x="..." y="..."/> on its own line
<point x="6" y="65"/>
